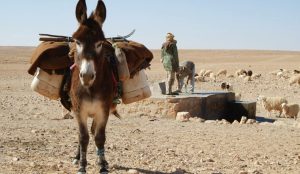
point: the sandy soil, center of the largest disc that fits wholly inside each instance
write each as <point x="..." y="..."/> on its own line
<point x="35" y="139"/>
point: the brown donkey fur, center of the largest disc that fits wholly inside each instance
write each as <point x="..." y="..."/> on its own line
<point x="92" y="86"/>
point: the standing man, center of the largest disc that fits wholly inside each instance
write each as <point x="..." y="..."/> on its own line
<point x="169" y="58"/>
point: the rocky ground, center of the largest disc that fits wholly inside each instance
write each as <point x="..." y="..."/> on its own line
<point x="35" y="139"/>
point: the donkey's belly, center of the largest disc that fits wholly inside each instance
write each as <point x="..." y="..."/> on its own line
<point x="91" y="108"/>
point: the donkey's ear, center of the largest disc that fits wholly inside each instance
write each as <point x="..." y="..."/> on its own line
<point x="81" y="11"/>
<point x="100" y="12"/>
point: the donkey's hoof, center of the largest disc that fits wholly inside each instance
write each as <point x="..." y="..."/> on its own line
<point x="103" y="171"/>
<point x="81" y="171"/>
<point x="75" y="162"/>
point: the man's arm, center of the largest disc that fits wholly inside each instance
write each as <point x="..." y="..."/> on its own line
<point x="175" y="54"/>
<point x="162" y="54"/>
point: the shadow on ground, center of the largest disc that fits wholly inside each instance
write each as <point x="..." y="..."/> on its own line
<point x="264" y="119"/>
<point x="178" y="171"/>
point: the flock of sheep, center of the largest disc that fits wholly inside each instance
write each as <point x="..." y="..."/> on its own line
<point x="269" y="103"/>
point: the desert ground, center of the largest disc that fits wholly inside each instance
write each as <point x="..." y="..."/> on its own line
<point x="34" y="137"/>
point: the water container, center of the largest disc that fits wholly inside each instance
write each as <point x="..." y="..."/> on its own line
<point x="136" y="89"/>
<point x="46" y="84"/>
<point x="162" y="86"/>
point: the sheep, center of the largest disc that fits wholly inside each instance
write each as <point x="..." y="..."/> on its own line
<point x="207" y="73"/>
<point x="274" y="72"/>
<point x="285" y="70"/>
<point x="213" y="76"/>
<point x="256" y="76"/>
<point x="230" y="76"/>
<point x="277" y="71"/>
<point x="247" y="79"/>
<point x="295" y="79"/>
<point x="240" y="72"/>
<point x="279" y="74"/>
<point x="238" y="96"/>
<point x="249" y="73"/>
<point x="202" y="72"/>
<point x="290" y="110"/>
<point x="222" y="72"/>
<point x="296" y="71"/>
<point x="242" y="76"/>
<point x="200" y="79"/>
<point x="226" y="86"/>
<point x="272" y="103"/>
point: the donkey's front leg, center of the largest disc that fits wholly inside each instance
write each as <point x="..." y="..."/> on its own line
<point x="100" y="124"/>
<point x="83" y="143"/>
<point x="77" y="157"/>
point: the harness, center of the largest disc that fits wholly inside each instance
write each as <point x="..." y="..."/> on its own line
<point x="115" y="78"/>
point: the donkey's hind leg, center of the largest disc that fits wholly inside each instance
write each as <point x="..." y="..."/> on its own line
<point x="99" y="130"/>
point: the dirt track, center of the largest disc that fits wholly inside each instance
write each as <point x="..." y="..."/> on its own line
<point x="35" y="139"/>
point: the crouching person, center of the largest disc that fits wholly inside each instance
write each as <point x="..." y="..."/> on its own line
<point x="186" y="70"/>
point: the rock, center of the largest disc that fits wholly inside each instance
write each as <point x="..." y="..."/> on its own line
<point x="210" y="121"/>
<point x="210" y="160"/>
<point x="243" y="172"/>
<point x="235" y="122"/>
<point x="243" y="120"/>
<point x="16" y="159"/>
<point x="178" y="171"/>
<point x="257" y="163"/>
<point x="54" y="167"/>
<point x="224" y="121"/>
<point x="199" y="120"/>
<point x="133" y="171"/>
<point x="34" y="131"/>
<point x="251" y="121"/>
<point x="68" y="116"/>
<point x="60" y="164"/>
<point x="256" y="172"/>
<point x="32" y="164"/>
<point x="183" y="116"/>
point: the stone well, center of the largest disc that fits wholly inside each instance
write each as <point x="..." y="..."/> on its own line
<point x="206" y="105"/>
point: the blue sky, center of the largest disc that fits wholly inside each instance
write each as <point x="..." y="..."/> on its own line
<point x="197" y="24"/>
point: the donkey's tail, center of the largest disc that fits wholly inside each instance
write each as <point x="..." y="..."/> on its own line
<point x="115" y="112"/>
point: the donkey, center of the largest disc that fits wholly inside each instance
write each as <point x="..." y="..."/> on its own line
<point x="93" y="83"/>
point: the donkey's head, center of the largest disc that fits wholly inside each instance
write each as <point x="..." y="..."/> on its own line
<point x="89" y="38"/>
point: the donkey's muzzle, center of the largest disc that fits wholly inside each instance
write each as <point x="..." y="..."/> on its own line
<point x="87" y="79"/>
<point x="87" y="72"/>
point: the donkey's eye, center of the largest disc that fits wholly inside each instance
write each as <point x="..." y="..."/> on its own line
<point x="79" y="46"/>
<point x="78" y="43"/>
<point x="98" y="45"/>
